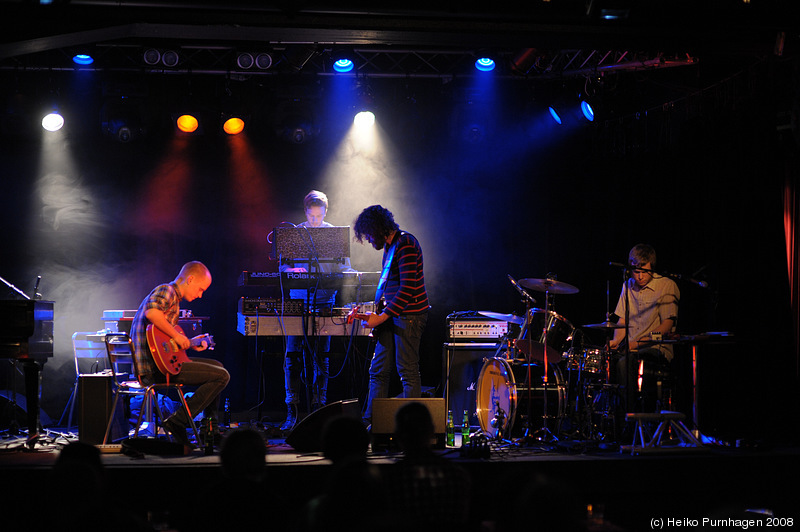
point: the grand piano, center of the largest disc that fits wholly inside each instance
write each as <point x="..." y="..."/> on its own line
<point x="26" y="335"/>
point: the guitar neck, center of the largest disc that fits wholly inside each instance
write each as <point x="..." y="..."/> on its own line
<point x="197" y="341"/>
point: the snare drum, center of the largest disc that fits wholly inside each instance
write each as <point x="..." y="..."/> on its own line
<point x="502" y="395"/>
<point x="532" y="336"/>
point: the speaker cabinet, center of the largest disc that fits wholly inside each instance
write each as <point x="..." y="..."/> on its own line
<point x="462" y="367"/>
<point x="383" y="420"/>
<point x="94" y="408"/>
<point x="306" y="437"/>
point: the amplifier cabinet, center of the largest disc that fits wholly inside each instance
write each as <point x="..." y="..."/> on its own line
<point x="462" y="364"/>
<point x="94" y="408"/>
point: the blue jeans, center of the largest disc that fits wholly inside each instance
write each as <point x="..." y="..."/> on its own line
<point x="398" y="346"/>
<point x="295" y="372"/>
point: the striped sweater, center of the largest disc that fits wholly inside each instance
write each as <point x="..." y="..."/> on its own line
<point x="405" y="285"/>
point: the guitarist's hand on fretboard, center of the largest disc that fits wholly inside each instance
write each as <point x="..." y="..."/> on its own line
<point x="202" y="346"/>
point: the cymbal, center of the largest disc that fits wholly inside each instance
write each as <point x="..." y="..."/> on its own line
<point x="511" y="318"/>
<point x="604" y="325"/>
<point x="548" y="285"/>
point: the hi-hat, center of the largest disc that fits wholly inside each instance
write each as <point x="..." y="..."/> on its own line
<point x="548" y="285"/>
<point x="510" y="318"/>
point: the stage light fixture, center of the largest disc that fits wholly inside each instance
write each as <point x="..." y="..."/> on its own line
<point x="233" y="125"/>
<point x="82" y="59"/>
<point x="364" y="119"/>
<point x="121" y="118"/>
<point x="555" y="113"/>
<point x="151" y="56"/>
<point x="296" y="130"/>
<point x="264" y="61"/>
<point x="187" y="123"/>
<point x="170" y="58"/>
<point x="609" y="10"/>
<point x="245" y="60"/>
<point x="343" y="60"/>
<point x="588" y="110"/>
<point x="53" y="121"/>
<point x="485" y="64"/>
<point x="343" y="65"/>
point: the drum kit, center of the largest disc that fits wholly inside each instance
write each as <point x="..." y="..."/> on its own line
<point x="542" y="382"/>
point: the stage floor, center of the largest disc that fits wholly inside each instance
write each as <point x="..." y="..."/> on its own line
<point x="511" y="485"/>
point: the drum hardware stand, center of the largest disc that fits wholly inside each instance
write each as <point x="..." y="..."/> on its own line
<point x="543" y="434"/>
<point x="498" y="420"/>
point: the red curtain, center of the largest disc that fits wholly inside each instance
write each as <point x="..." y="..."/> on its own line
<point x="791" y="212"/>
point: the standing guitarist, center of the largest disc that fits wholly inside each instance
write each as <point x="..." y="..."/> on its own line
<point x="399" y="325"/>
<point x="161" y="309"/>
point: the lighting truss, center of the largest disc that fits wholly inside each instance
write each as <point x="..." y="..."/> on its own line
<point x="372" y="61"/>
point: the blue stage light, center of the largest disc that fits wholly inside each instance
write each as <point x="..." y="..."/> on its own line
<point x="82" y="59"/>
<point x="343" y="65"/>
<point x="554" y="114"/>
<point x="587" y="110"/>
<point x="485" y="64"/>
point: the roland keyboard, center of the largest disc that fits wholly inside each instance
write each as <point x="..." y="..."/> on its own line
<point x="334" y="280"/>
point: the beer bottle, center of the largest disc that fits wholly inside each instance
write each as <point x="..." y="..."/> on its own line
<point x="465" y="429"/>
<point x="450" y="431"/>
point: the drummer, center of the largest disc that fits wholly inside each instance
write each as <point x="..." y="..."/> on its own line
<point x="650" y="303"/>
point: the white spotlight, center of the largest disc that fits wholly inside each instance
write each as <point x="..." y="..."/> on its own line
<point x="364" y="119"/>
<point x="53" y="121"/>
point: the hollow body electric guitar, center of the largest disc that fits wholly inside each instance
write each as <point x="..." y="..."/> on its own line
<point x="167" y="355"/>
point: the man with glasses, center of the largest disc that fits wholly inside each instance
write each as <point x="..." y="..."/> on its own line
<point x="648" y="304"/>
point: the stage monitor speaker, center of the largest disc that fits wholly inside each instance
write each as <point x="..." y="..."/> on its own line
<point x="383" y="420"/>
<point x="94" y="408"/>
<point x="306" y="436"/>
<point x="462" y="367"/>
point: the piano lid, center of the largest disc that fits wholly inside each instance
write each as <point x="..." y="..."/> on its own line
<point x="26" y="328"/>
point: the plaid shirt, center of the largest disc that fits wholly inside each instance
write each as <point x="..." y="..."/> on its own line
<point x="166" y="298"/>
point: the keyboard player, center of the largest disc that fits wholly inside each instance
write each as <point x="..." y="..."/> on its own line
<point x="312" y="352"/>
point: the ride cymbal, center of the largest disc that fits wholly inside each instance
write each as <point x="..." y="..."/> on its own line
<point x="604" y="325"/>
<point x="548" y="285"/>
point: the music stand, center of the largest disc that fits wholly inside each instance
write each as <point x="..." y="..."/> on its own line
<point x="311" y="244"/>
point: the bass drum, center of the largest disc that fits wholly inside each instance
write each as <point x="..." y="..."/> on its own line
<point x="502" y="396"/>
<point x="532" y="336"/>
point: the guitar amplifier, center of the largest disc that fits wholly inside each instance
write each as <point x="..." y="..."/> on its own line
<point x="271" y="306"/>
<point x="470" y="326"/>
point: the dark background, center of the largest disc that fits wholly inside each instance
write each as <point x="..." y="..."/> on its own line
<point x="693" y="162"/>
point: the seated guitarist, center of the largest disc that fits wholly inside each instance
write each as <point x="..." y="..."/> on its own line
<point x="399" y="325"/>
<point x="161" y="308"/>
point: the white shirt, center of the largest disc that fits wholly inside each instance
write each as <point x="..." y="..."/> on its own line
<point x="649" y="307"/>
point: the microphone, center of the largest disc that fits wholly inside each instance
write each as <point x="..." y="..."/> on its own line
<point x="701" y="284"/>
<point x="521" y="290"/>
<point x="36" y="294"/>
<point x="619" y="265"/>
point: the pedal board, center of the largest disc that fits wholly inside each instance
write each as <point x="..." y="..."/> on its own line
<point x="110" y="448"/>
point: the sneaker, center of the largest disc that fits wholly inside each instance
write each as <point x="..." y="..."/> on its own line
<point x="291" y="418"/>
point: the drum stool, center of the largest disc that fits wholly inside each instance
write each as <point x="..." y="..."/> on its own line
<point x="666" y="420"/>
